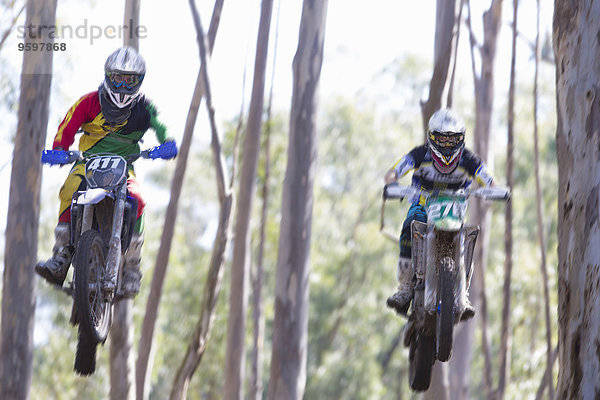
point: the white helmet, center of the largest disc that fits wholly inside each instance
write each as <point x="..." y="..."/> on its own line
<point x="446" y="137"/>
<point x="124" y="71"/>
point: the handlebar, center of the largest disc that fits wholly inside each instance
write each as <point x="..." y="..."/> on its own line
<point x="395" y="191"/>
<point x="165" y="151"/>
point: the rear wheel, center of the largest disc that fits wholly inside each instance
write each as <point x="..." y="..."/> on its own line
<point x="421" y="359"/>
<point x="445" y="317"/>
<point x="93" y="308"/>
<point x="85" y="357"/>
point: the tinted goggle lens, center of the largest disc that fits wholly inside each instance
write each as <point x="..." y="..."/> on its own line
<point x="128" y="80"/>
<point x="447" y="139"/>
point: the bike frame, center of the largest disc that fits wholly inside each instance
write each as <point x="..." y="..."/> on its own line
<point x="442" y="255"/>
<point x="444" y="235"/>
<point x="113" y="259"/>
<point x="445" y="227"/>
<point x="91" y="199"/>
<point x="99" y="238"/>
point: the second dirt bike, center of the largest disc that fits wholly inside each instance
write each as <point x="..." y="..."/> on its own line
<point x="442" y="254"/>
<point x="103" y="218"/>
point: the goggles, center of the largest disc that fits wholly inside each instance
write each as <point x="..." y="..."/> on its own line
<point x="446" y="139"/>
<point x="128" y="80"/>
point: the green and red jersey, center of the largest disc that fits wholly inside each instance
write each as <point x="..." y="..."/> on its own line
<point x="99" y="136"/>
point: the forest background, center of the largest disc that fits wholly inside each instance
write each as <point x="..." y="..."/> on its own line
<point x="377" y="65"/>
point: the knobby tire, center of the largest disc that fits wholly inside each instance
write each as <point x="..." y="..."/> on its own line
<point x="445" y="317"/>
<point x="85" y="357"/>
<point x="421" y="359"/>
<point x="93" y="309"/>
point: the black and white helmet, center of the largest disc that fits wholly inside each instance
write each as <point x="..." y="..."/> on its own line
<point x="446" y="137"/>
<point x="124" y="71"/>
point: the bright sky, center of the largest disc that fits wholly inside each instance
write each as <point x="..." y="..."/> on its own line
<point x="360" y="40"/>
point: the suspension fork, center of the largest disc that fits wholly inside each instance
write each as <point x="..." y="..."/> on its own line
<point x="419" y="260"/>
<point x="471" y="234"/>
<point x="113" y="260"/>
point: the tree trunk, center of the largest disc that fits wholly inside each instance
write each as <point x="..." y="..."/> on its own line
<point x="484" y="96"/>
<point x="462" y="347"/>
<point x="577" y="55"/>
<point x="145" y="351"/>
<point x="446" y="27"/>
<point x="438" y="390"/>
<point x="288" y="359"/>
<point x="211" y="291"/>
<point x="132" y="20"/>
<point x="21" y="237"/>
<point x="238" y="299"/>
<point x="255" y="385"/>
<point x="505" y="330"/>
<point x="540" y="223"/>
<point x="459" y="371"/>
<point x="122" y="383"/>
<point x="122" y="367"/>
<point x="13" y="22"/>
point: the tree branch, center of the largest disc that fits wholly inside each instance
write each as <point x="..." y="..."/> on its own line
<point x="11" y="26"/>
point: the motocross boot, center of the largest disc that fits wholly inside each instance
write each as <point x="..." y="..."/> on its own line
<point x="54" y="270"/>
<point x="469" y="311"/>
<point x="132" y="275"/>
<point x="400" y="300"/>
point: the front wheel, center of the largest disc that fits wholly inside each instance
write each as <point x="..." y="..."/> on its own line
<point x="93" y="308"/>
<point x="445" y="316"/>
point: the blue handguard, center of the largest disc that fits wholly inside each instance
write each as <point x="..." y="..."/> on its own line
<point x="59" y="157"/>
<point x="165" y="151"/>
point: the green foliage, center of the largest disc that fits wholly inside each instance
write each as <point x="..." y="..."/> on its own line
<point x="352" y="264"/>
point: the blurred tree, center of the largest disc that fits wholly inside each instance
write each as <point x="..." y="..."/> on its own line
<point x="240" y="265"/>
<point x="447" y="26"/>
<point x="479" y="215"/>
<point x="203" y="328"/>
<point x="578" y="151"/>
<point x="18" y="296"/>
<point x="290" y="327"/>
<point x="122" y="374"/>
<point x="445" y="42"/>
<point x="550" y="353"/>
<point x="12" y="10"/>
<point x="257" y="270"/>
<point x="506" y="329"/>
<point x="162" y="259"/>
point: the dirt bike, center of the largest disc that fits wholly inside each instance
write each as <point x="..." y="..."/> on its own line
<point x="103" y="218"/>
<point x="442" y="254"/>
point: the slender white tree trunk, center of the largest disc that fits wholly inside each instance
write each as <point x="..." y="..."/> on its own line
<point x="240" y="267"/>
<point x="484" y="97"/>
<point x="506" y="330"/>
<point x="549" y="377"/>
<point x="145" y="349"/>
<point x="288" y="359"/>
<point x="211" y="290"/>
<point x="122" y="363"/>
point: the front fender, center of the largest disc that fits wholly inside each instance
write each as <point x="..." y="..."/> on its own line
<point x="94" y="196"/>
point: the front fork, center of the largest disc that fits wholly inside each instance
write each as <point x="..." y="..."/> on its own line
<point x="424" y="257"/>
<point x="113" y="260"/>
